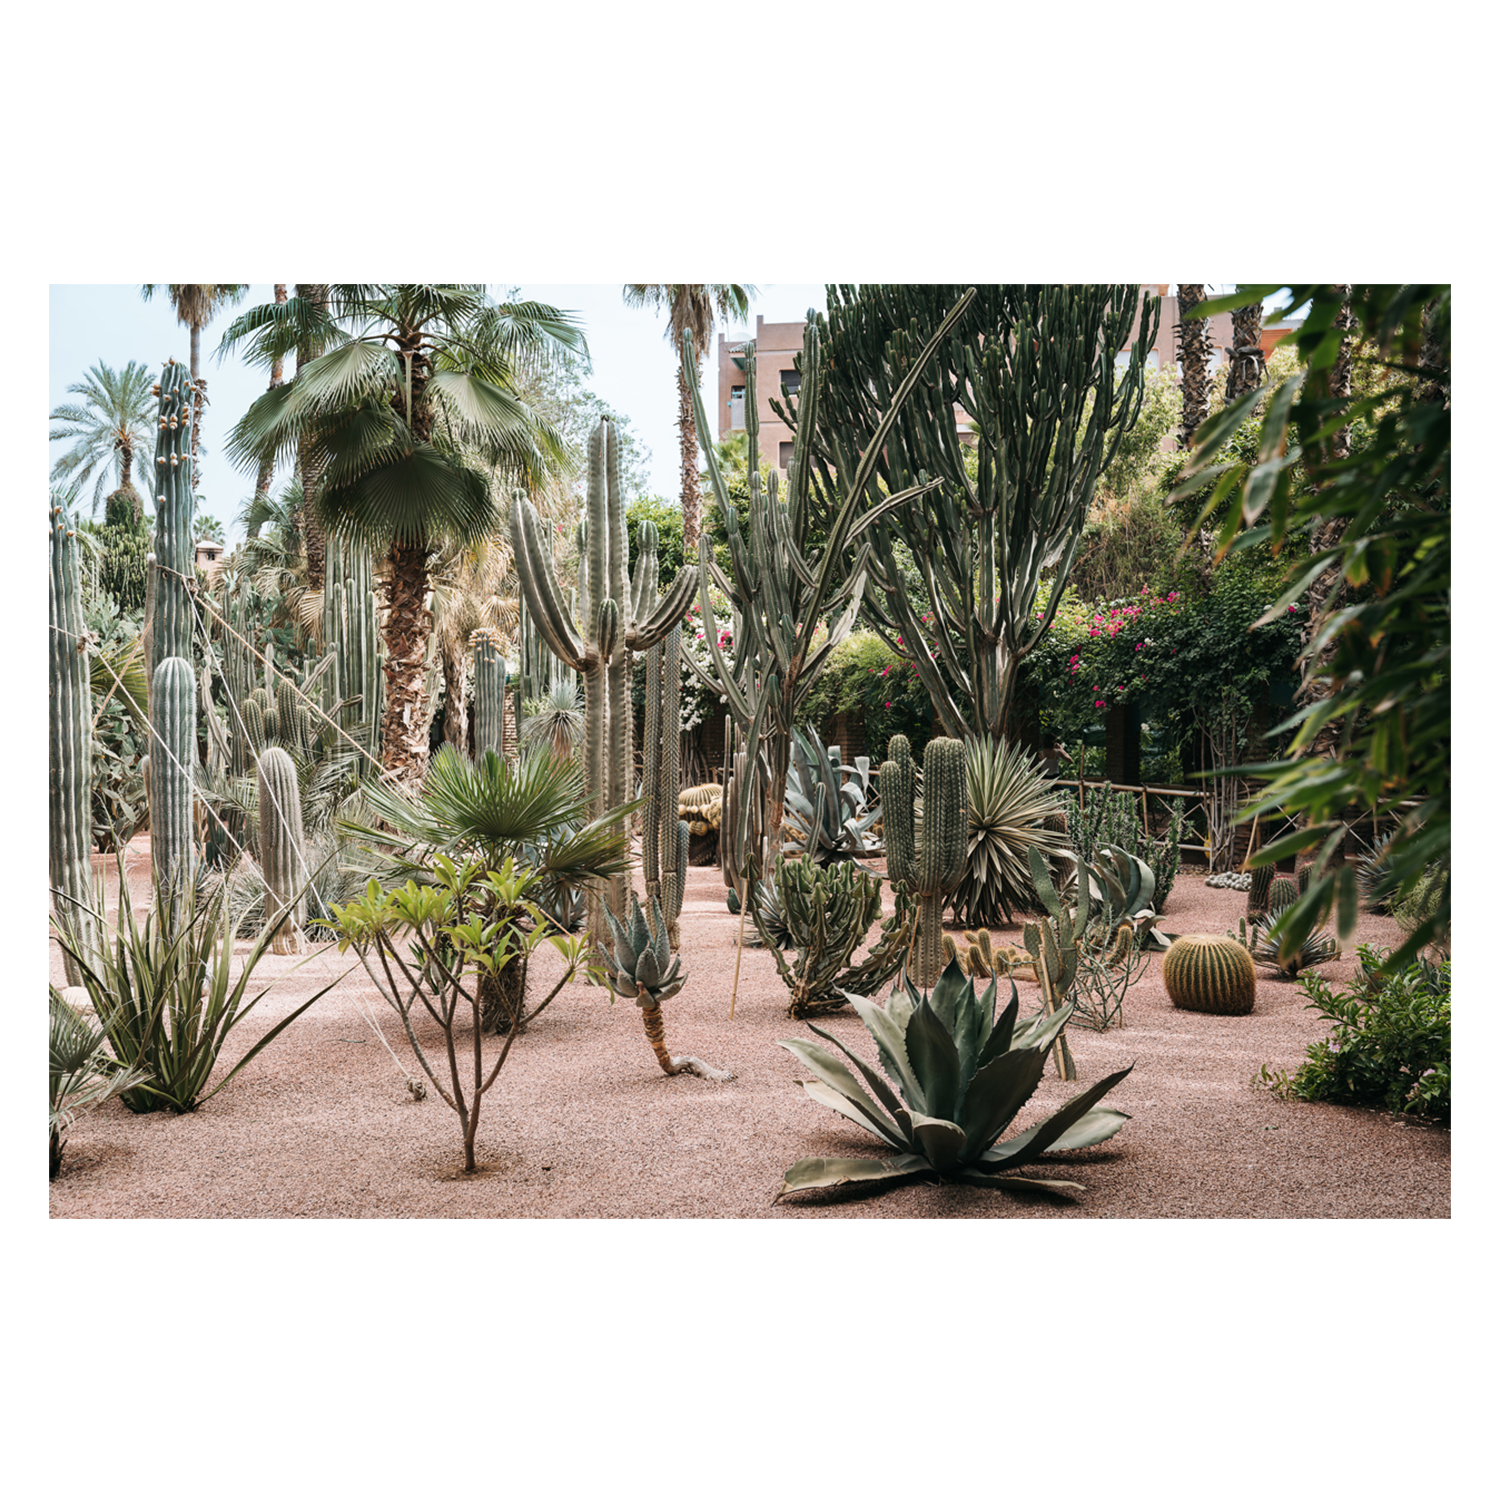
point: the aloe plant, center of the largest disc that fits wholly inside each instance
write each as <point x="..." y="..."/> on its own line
<point x="827" y="812"/>
<point x="961" y="1074"/>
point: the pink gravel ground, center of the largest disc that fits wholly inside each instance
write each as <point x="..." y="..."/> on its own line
<point x="583" y="1124"/>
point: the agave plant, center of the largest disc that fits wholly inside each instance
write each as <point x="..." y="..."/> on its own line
<point x="962" y="1075"/>
<point x="1123" y="886"/>
<point x="1009" y="800"/>
<point x="828" y="812"/>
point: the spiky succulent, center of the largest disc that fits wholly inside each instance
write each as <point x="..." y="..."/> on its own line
<point x="643" y="967"/>
<point x="828" y="812"/>
<point x="962" y="1075"/>
<point x="1123" y="886"/>
<point x="1319" y="947"/>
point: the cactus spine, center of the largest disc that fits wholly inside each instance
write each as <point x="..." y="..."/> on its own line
<point x="595" y="646"/>
<point x="174" y="747"/>
<point x="69" y="764"/>
<point x="172" y="612"/>
<point x="932" y="869"/>
<point x="281" y="857"/>
<point x="489" y="693"/>
<point x="664" y="836"/>
<point x="1206" y="973"/>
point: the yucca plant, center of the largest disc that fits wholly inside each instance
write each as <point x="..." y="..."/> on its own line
<point x="80" y="1075"/>
<point x="162" y="990"/>
<point x="1319" y="947"/>
<point x="962" y="1075"/>
<point x="555" y="720"/>
<point x="1009" y="801"/>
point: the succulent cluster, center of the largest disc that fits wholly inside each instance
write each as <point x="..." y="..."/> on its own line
<point x="955" y="1076"/>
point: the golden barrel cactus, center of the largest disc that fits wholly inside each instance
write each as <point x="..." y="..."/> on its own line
<point x="1212" y="974"/>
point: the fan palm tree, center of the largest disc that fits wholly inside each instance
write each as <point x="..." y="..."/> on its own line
<point x="113" y="429"/>
<point x="1195" y="351"/>
<point x="690" y="309"/>
<point x="195" y="304"/>
<point x="263" y="477"/>
<point x="424" y="377"/>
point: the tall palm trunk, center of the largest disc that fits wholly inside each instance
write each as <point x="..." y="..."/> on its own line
<point x="408" y="624"/>
<point x="692" y="499"/>
<point x="1247" y="364"/>
<point x="1193" y="350"/>
<point x="455" y="683"/>
<point x="310" y="466"/>
<point x="263" y="475"/>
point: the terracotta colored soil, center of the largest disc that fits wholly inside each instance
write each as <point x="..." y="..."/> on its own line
<point x="583" y="1124"/>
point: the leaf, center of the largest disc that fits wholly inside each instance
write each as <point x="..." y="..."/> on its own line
<point x="835" y="1171"/>
<point x="980" y="1178"/>
<point x="838" y="1078"/>
<point x="1030" y="1144"/>
<point x="942" y="1140"/>
<point x="934" y="1059"/>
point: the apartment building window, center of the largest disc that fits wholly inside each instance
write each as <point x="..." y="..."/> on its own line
<point x="785" y="459"/>
<point x="736" y="407"/>
<point x="791" y="381"/>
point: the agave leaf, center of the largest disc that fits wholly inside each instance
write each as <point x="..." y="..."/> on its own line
<point x="934" y="1059"/>
<point x="625" y="953"/>
<point x="1026" y="1147"/>
<point x="836" y="1076"/>
<point x="890" y="1040"/>
<point x="1008" y="1180"/>
<point x="946" y="995"/>
<point x="1002" y="1031"/>
<point x="839" y="1102"/>
<point x="996" y="1096"/>
<point x="878" y="1086"/>
<point x="942" y="1141"/>
<point x="835" y="1171"/>
<point x="1097" y="1125"/>
<point x="646" y="970"/>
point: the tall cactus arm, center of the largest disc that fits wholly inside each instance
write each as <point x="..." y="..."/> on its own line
<point x="644" y="634"/>
<point x="548" y="612"/>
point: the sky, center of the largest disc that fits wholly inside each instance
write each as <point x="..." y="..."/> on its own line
<point x="634" y="368"/>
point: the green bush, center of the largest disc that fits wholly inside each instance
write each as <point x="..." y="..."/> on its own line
<point x="1392" y="1042"/>
<point x="865" y="677"/>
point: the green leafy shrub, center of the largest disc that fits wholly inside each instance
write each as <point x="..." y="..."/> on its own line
<point x="865" y="677"/>
<point x="1392" y="1043"/>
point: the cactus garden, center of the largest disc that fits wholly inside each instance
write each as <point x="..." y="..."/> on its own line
<point x="877" y="828"/>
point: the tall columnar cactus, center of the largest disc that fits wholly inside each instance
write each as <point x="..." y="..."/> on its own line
<point x="664" y="836"/>
<point x="930" y="868"/>
<point x="281" y="853"/>
<point x="1259" y="899"/>
<point x="172" y="611"/>
<point x="69" y="765"/>
<point x="490" y="669"/>
<point x="174" y="750"/>
<point x="794" y="566"/>
<point x="595" y="646"/>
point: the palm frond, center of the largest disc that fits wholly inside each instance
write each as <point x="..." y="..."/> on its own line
<point x="416" y="498"/>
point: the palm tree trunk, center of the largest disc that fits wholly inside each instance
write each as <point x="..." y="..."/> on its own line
<point x="407" y="626"/>
<point x="455" y="679"/>
<point x="687" y="427"/>
<point x="310" y="467"/>
<point x="1247" y="365"/>
<point x="263" y="475"/>
<point x="1193" y="350"/>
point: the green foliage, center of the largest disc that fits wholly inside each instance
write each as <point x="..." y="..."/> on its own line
<point x="828" y="804"/>
<point x="113" y="430"/>
<point x="162" y="990"/>
<point x="1111" y="817"/>
<point x="667" y="518"/>
<point x="1421" y="906"/>
<point x="1392" y="1042"/>
<point x="431" y="945"/>
<point x="1380" y="520"/>
<point x="1009" y="802"/>
<point x="79" y="1075"/>
<point x="1317" y="947"/>
<point x="962" y="1074"/>
<point x="865" y="678"/>
<point x="641" y="966"/>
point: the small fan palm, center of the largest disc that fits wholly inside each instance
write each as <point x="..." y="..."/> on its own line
<point x="558" y="721"/>
<point x="1009" y="799"/>
<point x="113" y="431"/>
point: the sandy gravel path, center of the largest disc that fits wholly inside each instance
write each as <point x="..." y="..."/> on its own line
<point x="582" y="1123"/>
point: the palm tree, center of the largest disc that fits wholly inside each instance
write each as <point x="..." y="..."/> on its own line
<point x="113" y="428"/>
<point x="1247" y="363"/>
<point x="393" y="409"/>
<point x="1193" y="349"/>
<point x="263" y="478"/>
<point x="195" y="305"/>
<point x="690" y="309"/>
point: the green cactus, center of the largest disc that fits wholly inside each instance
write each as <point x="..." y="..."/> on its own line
<point x="1054" y="942"/>
<point x="789" y="570"/>
<point x="69" y="763"/>
<point x="1258" y="899"/>
<point x="171" y="633"/>
<point x="490" y="669"/>
<point x="253" y="718"/>
<point x="1282" y="893"/>
<point x="174" y="750"/>
<point x="1304" y="874"/>
<point x="664" y="835"/>
<point x="932" y="868"/>
<point x="282" y="860"/>
<point x="1206" y="973"/>
<point x="595" y="646"/>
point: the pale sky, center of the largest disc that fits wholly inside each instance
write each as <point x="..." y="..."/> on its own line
<point x="633" y="364"/>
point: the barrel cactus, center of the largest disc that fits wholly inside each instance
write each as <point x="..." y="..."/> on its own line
<point x="1282" y="892"/>
<point x="932" y="868"/>
<point x="1212" y="974"/>
<point x="174" y="750"/>
<point x="281" y="852"/>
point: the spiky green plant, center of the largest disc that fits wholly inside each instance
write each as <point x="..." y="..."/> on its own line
<point x="1054" y="942"/>
<point x="1318" y="947"/>
<point x="1282" y="893"/>
<point x="1206" y="973"/>
<point x="556" y="720"/>
<point x="489" y="692"/>
<point x="1009" y="804"/>
<point x="1258" y="898"/>
<point x="79" y="1077"/>
<point x="282" y="855"/>
<point x="641" y="967"/>
<point x="962" y="1075"/>
<point x="926" y="857"/>
<point x="664" y="836"/>
<point x="827" y="809"/>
